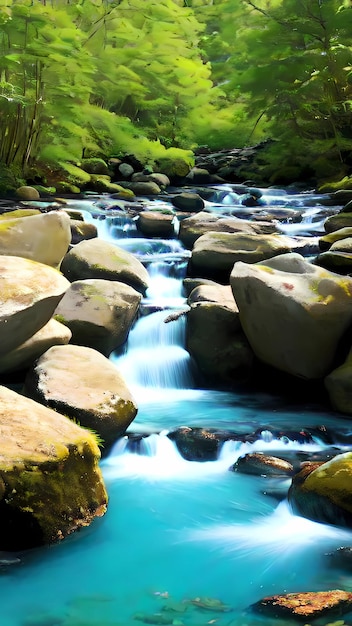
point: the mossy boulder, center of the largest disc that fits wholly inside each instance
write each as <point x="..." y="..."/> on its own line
<point x="99" y="313"/>
<point x="29" y="294"/>
<point x="49" y="474"/>
<point x="10" y="215"/>
<point x="52" y="334"/>
<point x="103" y="184"/>
<point x="94" y="165"/>
<point x="96" y="258"/>
<point x="336" y="222"/>
<point x="44" y="238"/>
<point x="342" y="184"/>
<point x="293" y="313"/>
<point x="323" y="491"/>
<point x="335" y="261"/>
<point x="326" y="241"/>
<point x="177" y="165"/>
<point x="84" y="385"/>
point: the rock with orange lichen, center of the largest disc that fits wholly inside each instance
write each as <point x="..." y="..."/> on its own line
<point x="306" y="605"/>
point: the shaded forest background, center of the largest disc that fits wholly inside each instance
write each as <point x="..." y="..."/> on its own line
<point x="158" y="78"/>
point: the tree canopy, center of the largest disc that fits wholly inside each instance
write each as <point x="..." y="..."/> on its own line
<point x="102" y="77"/>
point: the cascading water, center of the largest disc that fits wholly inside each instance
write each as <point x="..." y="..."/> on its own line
<point x="178" y="530"/>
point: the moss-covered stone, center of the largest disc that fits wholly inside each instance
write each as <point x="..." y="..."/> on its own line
<point x="11" y="215"/>
<point x="323" y="491"/>
<point x="52" y="484"/>
<point x="326" y="241"/>
<point x="94" y="165"/>
<point x="337" y="222"/>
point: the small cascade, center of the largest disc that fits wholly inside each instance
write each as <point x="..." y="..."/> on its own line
<point x="155" y="355"/>
<point x="277" y="537"/>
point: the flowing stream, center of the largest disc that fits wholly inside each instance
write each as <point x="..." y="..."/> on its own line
<point x="177" y="531"/>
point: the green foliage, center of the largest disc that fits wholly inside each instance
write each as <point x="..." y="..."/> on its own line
<point x="92" y="78"/>
<point x="10" y="179"/>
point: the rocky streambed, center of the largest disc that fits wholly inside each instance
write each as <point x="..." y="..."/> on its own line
<point x="266" y="301"/>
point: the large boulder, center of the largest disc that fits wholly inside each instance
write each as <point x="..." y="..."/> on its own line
<point x="293" y="313"/>
<point x="44" y="238"/>
<point x="52" y="334"/>
<point x="197" y="225"/>
<point x="29" y="294"/>
<point x="99" y="259"/>
<point x="214" y="337"/>
<point x="99" y="313"/>
<point x="339" y="386"/>
<point x="323" y="491"/>
<point x="51" y="484"/>
<point x="84" y="385"/>
<point x="214" y="254"/>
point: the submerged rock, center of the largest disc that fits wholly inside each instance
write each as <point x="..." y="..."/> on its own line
<point x="262" y="465"/>
<point x="99" y="259"/>
<point x="197" y="444"/>
<point x="84" y="385"/>
<point x="306" y="605"/>
<point x="293" y="313"/>
<point x="50" y="481"/>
